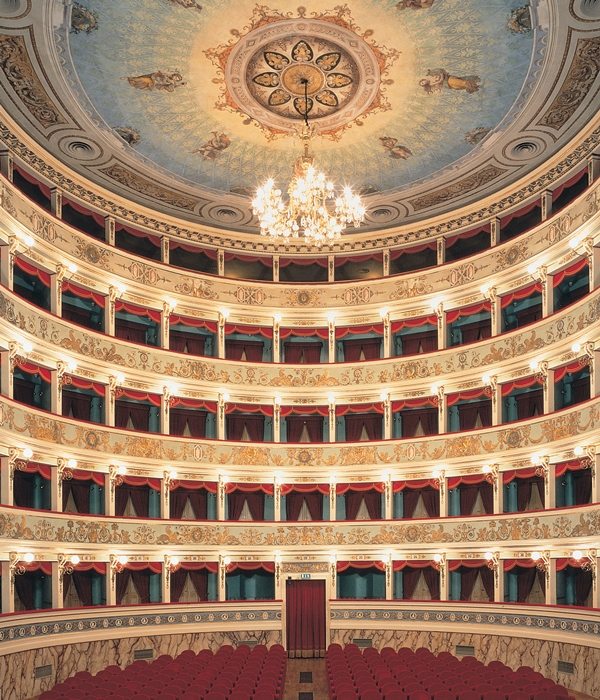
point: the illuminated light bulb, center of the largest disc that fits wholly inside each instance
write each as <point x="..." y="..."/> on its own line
<point x="532" y="268"/>
<point x="75" y="560"/>
<point x="331" y="398"/>
<point x="578" y="451"/>
<point x="435" y="303"/>
<point x="434" y="389"/>
<point x="224" y="479"/>
<point x="120" y="378"/>
<point x="333" y="557"/>
<point x="437" y="558"/>
<point x="122" y="559"/>
<point x="172" y="388"/>
<point x="27" y="347"/>
<point x="534" y="365"/>
<point x="576" y="347"/>
<point x="488" y="556"/>
<point x="485" y="288"/>
<point x="278" y="478"/>
<point x="436" y="474"/>
<point x="331" y="316"/>
<point x="333" y="478"/>
<point x="536" y="555"/>
<point x="171" y="303"/>
<point x="224" y="313"/>
<point x="121" y="470"/>
<point x="227" y="561"/>
<point x="72" y="463"/>
<point x="486" y="379"/>
<point x="384" y="312"/>
<point x="27" y="452"/>
<point x="27" y="239"/>
<point x="535" y="459"/>
<point x="174" y="561"/>
<point x="120" y="287"/>
<point x="72" y="267"/>
<point x="172" y="473"/>
<point x="384" y="396"/>
<point x="487" y="469"/>
<point x="70" y="364"/>
<point x="574" y="242"/>
<point x="277" y="399"/>
<point x="28" y="557"/>
<point x="225" y="396"/>
<point x="577" y="554"/>
<point x="277" y="318"/>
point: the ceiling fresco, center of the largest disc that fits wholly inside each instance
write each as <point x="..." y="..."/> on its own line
<point x="210" y="91"/>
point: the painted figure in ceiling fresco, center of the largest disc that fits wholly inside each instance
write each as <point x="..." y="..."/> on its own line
<point x="130" y="136"/>
<point x="159" y="80"/>
<point x="187" y="3"/>
<point x="216" y="144"/>
<point x="394" y="148"/>
<point x="519" y="21"/>
<point x="438" y="78"/>
<point x="414" y="4"/>
<point x="83" y="20"/>
<point x="474" y="136"/>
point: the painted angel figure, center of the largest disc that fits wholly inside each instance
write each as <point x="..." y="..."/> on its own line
<point x="395" y="149"/>
<point x="159" y="80"/>
<point x="187" y="4"/>
<point x="414" y="4"/>
<point x="439" y="78"/>
<point x="215" y="145"/>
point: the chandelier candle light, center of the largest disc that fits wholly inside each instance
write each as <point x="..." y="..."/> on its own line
<point x="313" y="211"/>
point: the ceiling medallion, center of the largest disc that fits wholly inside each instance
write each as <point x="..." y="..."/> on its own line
<point x="263" y="71"/>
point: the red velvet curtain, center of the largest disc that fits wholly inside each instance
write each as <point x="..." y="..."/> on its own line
<point x="139" y="499"/>
<point x="76" y="404"/>
<point x="372" y="501"/>
<point x="478" y="330"/>
<point x="468" y="576"/>
<point x="431" y="501"/>
<point x="197" y="498"/>
<point x="178" y="579"/>
<point x="415" y="343"/>
<point x="410" y="578"/>
<point x="254" y="424"/>
<point x="525" y="581"/>
<point x="468" y="496"/>
<point x="141" y="582"/>
<point x="295" y="500"/>
<point x="487" y="579"/>
<point x="23" y="390"/>
<point x="469" y="412"/>
<point x="428" y="417"/>
<point x="308" y="353"/>
<point x="83" y="585"/>
<point x="372" y="423"/>
<point x="139" y="414"/>
<point x="255" y="501"/>
<point x="130" y="330"/>
<point x="199" y="578"/>
<point x="369" y="347"/>
<point x="487" y="497"/>
<point x="24" y="589"/>
<point x="295" y="426"/>
<point x="235" y="349"/>
<point x="432" y="579"/>
<point x="194" y="419"/>
<point x="305" y="617"/>
<point x="583" y="586"/>
<point x="194" y="343"/>
<point x="530" y="404"/>
<point x="410" y="498"/>
<point x="583" y="486"/>
<point x="121" y="583"/>
<point x="81" y="494"/>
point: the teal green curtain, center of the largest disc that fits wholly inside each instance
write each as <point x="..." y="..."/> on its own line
<point x="212" y="586"/>
<point x="454" y="501"/>
<point x="269" y="507"/>
<point x="340" y="508"/>
<point x="155" y="588"/>
<point x="455" y="585"/>
<point x="510" y="497"/>
<point x="153" y="503"/>
<point x="565" y="490"/>
<point x="398" y="582"/>
<point x="96" y="499"/>
<point x="399" y="504"/>
<point x="98" y="582"/>
<point x="250" y="585"/>
<point x="211" y="506"/>
<point x="361" y="585"/>
<point x="41" y="492"/>
<point x="511" y="584"/>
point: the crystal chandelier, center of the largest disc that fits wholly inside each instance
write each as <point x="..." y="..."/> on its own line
<point x="313" y="211"/>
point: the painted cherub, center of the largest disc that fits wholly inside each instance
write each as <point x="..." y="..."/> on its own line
<point x="438" y="78"/>
<point x="414" y="4"/>
<point x="187" y="3"/>
<point x="395" y="149"/>
<point x="159" y="80"/>
<point x="216" y="144"/>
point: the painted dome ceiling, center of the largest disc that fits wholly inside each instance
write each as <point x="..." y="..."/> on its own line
<point x="187" y="105"/>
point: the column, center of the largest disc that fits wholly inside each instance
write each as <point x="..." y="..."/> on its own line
<point x="222" y="595"/>
<point x="331" y="268"/>
<point x="221" y="262"/>
<point x="165" y="409"/>
<point x="498" y="579"/>
<point x="444" y="578"/>
<point x="547" y="471"/>
<point x="275" y="268"/>
<point x="386" y="262"/>
<point x="165" y="249"/>
<point x="494" y="232"/>
<point x="496" y="311"/>
<point x="388" y="498"/>
<point x="109" y="409"/>
<point x="550" y="580"/>
<point x="7" y="254"/>
<point x="277" y="419"/>
<point x="276" y="338"/>
<point x="111" y="573"/>
<point x="593" y="253"/>
<point x="166" y="580"/>
<point x="56" y="478"/>
<point x="389" y="580"/>
<point x="441" y="326"/>
<point x="165" y="490"/>
<point x="164" y="324"/>
<point x="547" y="291"/>
<point x="442" y="410"/>
<point x="441" y="250"/>
<point x="496" y="396"/>
<point x="221" y="335"/>
<point x="595" y="467"/>
<point x="443" y="494"/>
<point x="109" y="491"/>
<point x="56" y="290"/>
<point x="387" y="333"/>
<point x="277" y="499"/>
<point x="6" y="481"/>
<point x="58" y="571"/>
<point x="109" y="311"/>
<point x="595" y="563"/>
<point x="332" y="500"/>
<point x="331" y="338"/>
<point x="546" y="200"/>
<point x="8" y="587"/>
<point x="6" y="369"/>
<point x="223" y="398"/>
<point x="593" y="167"/>
<point x="221" y="486"/>
<point x="387" y="417"/>
<point x="6" y="169"/>
<point x="56" y="202"/>
<point x="331" y="415"/>
<point x="55" y="391"/>
<point x="110" y="234"/>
